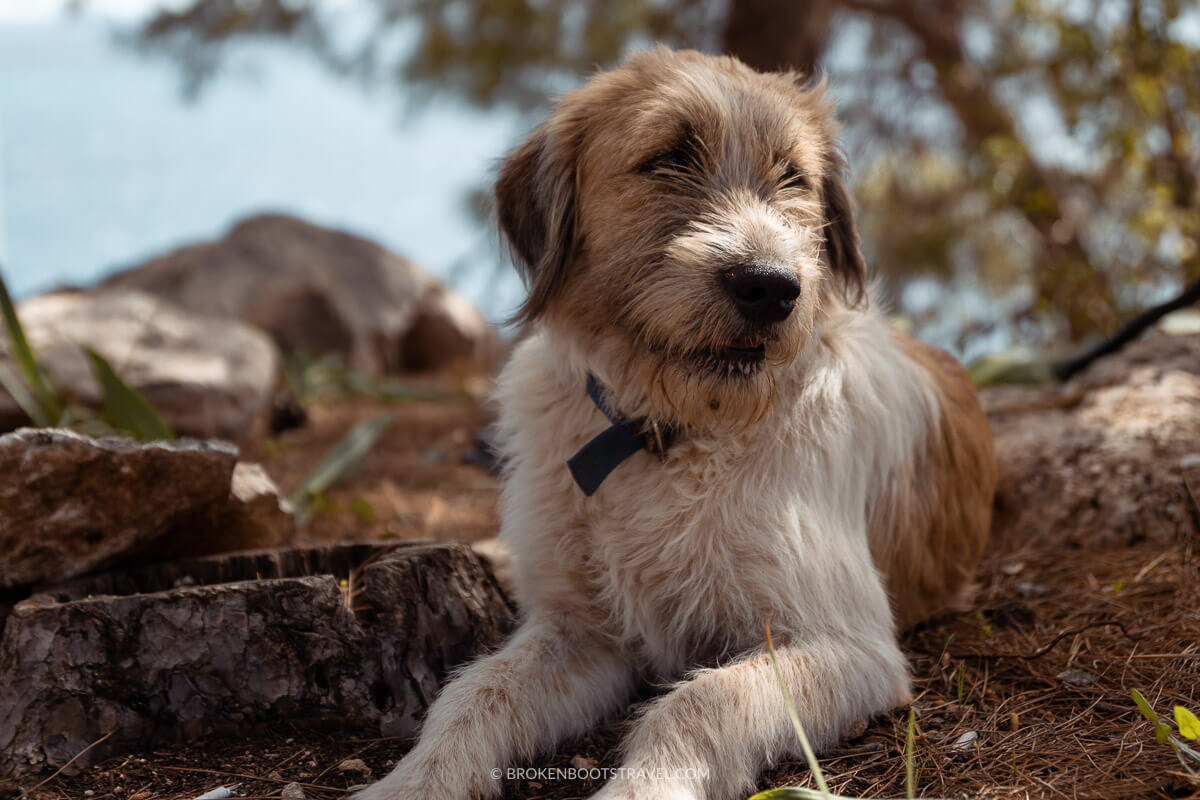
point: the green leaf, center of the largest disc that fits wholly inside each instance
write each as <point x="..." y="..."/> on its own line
<point x="49" y="407"/>
<point x="341" y="461"/>
<point x="124" y="407"/>
<point x="790" y="793"/>
<point x="1189" y="726"/>
<point x="361" y="508"/>
<point x="1143" y="706"/>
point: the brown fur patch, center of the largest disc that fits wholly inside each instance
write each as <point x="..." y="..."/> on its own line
<point x="928" y="534"/>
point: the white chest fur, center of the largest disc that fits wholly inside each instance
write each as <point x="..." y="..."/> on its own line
<point x="682" y="559"/>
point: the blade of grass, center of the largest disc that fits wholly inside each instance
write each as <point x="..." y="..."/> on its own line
<point x="793" y="793"/>
<point x="50" y="407"/>
<point x="343" y="459"/>
<point x="124" y="407"/>
<point x="822" y="793"/>
<point x="910" y="776"/>
<point x="12" y="384"/>
<point x="809" y="755"/>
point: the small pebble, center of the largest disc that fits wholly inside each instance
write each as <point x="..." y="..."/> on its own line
<point x="219" y="793"/>
<point x="966" y="741"/>
<point x="355" y="765"/>
<point x="857" y="729"/>
<point x="293" y="791"/>
<point x="1080" y="677"/>
<point x="582" y="762"/>
<point x="1026" y="589"/>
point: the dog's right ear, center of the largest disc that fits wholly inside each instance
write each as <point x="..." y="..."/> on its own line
<point x="535" y="201"/>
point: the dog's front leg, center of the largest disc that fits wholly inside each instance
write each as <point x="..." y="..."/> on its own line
<point x="710" y="736"/>
<point x="551" y="681"/>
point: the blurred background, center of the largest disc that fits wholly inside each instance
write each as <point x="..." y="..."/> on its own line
<point x="1026" y="170"/>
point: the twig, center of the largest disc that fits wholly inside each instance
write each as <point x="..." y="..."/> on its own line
<point x="1073" y="632"/>
<point x="58" y="771"/>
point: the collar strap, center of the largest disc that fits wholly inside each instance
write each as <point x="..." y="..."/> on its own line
<point x="615" y="444"/>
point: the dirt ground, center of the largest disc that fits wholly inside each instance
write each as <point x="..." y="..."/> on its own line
<point x="1024" y="693"/>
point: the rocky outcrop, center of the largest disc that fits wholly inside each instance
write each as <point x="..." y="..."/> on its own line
<point x="320" y="292"/>
<point x="74" y="505"/>
<point x="70" y="504"/>
<point x="207" y="377"/>
<point x="1107" y="457"/>
<point x="356" y="636"/>
<point x="253" y="517"/>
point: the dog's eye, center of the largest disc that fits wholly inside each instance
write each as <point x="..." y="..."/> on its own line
<point x="682" y="159"/>
<point x="792" y="177"/>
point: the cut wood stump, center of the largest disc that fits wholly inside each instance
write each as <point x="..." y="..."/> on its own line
<point x="352" y="636"/>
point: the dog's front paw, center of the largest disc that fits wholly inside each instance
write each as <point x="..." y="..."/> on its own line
<point x="376" y="791"/>
<point x="399" y="787"/>
<point x="629" y="789"/>
<point x="420" y="780"/>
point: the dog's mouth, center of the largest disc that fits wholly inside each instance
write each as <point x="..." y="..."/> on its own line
<point x="750" y="350"/>
<point x="741" y="357"/>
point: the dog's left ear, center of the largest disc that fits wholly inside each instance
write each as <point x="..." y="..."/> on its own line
<point x="841" y="238"/>
<point x="535" y="202"/>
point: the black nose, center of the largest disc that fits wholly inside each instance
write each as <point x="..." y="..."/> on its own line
<point x="763" y="294"/>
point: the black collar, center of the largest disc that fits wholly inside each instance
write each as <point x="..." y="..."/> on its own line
<point x="613" y="445"/>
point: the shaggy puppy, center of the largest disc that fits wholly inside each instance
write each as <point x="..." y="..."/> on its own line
<point x="746" y="437"/>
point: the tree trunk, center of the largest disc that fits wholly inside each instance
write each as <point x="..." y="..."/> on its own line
<point x="774" y="36"/>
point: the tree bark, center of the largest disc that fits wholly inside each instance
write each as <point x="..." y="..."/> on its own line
<point x="774" y="36"/>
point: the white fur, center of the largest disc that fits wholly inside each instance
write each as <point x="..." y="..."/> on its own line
<point x="675" y="564"/>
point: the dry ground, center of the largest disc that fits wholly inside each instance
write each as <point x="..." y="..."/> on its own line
<point x="1024" y="693"/>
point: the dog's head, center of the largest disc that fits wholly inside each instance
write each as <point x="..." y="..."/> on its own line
<point x="684" y="218"/>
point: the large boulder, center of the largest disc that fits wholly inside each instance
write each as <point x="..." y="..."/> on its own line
<point x="74" y="505"/>
<point x="208" y="377"/>
<point x="70" y="504"/>
<point x="354" y="636"/>
<point x="1109" y="456"/>
<point x="320" y="292"/>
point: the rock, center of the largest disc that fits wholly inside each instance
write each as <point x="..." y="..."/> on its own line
<point x="70" y="504"/>
<point x="207" y="377"/>
<point x="293" y="791"/>
<point x="355" y="766"/>
<point x="320" y="292"/>
<point x="1079" y="677"/>
<point x="856" y="729"/>
<point x="151" y="663"/>
<point x="255" y="517"/>
<point x="446" y="329"/>
<point x="219" y="793"/>
<point x="583" y="763"/>
<point x="968" y="740"/>
<point x="1100" y="460"/>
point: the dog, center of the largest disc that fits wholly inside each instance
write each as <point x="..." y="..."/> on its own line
<point x="707" y="425"/>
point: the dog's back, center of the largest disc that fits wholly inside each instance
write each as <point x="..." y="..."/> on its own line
<point x="931" y="521"/>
